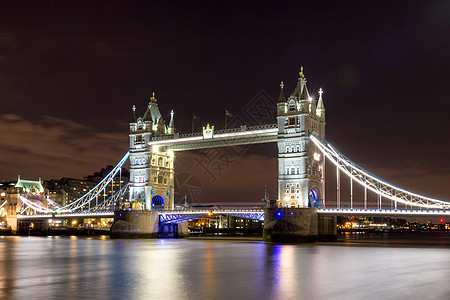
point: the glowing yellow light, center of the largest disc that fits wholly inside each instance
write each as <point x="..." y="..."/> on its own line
<point x="317" y="156"/>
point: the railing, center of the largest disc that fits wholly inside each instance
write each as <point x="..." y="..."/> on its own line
<point x="243" y="128"/>
<point x="375" y="184"/>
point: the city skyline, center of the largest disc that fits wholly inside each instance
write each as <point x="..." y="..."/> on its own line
<point x="70" y="78"/>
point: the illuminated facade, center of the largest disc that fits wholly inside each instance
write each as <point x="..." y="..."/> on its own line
<point x="21" y="197"/>
<point x="301" y="173"/>
<point x="151" y="167"/>
<point x="300" y="164"/>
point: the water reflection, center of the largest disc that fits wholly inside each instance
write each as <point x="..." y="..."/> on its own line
<point x="100" y="268"/>
<point x="284" y="271"/>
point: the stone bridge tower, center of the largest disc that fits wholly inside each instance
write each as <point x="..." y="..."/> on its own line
<point x="151" y="168"/>
<point x="301" y="176"/>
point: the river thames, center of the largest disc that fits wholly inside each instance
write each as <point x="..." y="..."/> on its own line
<point x="102" y="268"/>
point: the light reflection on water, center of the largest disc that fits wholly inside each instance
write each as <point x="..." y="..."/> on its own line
<point x="100" y="268"/>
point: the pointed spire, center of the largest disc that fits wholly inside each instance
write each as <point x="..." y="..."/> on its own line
<point x="301" y="92"/>
<point x="171" y="124"/>
<point x="148" y="114"/>
<point x="133" y="115"/>
<point x="320" y="103"/>
<point x="320" y="111"/>
<point x="281" y="98"/>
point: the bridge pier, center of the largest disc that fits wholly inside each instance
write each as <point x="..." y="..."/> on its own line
<point x="298" y="225"/>
<point x="144" y="224"/>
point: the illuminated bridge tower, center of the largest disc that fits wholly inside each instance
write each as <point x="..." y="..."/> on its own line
<point x="151" y="167"/>
<point x="300" y="165"/>
<point x="301" y="181"/>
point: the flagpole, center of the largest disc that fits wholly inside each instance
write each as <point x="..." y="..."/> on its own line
<point x="193" y="123"/>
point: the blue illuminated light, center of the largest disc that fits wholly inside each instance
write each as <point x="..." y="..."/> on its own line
<point x="137" y="215"/>
<point x="279" y="214"/>
<point x="158" y="202"/>
<point x="120" y="215"/>
<point x="292" y="213"/>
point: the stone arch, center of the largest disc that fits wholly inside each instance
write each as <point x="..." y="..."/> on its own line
<point x="157" y="202"/>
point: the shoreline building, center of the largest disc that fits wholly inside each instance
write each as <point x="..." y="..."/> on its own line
<point x="19" y="198"/>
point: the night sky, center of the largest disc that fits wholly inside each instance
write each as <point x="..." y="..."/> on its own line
<point x="70" y="72"/>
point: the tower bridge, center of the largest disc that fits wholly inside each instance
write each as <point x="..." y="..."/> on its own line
<point x="301" y="210"/>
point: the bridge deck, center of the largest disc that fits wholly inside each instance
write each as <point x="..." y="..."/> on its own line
<point x="171" y="215"/>
<point x="221" y="138"/>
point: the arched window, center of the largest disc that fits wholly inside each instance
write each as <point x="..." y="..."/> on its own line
<point x="292" y="105"/>
<point x="160" y="162"/>
<point x="157" y="202"/>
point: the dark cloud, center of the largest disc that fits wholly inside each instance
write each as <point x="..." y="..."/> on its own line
<point x="52" y="148"/>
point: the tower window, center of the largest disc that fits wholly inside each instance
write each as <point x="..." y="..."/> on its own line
<point x="292" y="106"/>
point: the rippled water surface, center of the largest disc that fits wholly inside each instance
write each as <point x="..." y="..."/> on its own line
<point x="100" y="268"/>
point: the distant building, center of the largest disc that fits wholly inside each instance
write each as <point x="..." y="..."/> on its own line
<point x="67" y="190"/>
<point x="21" y="197"/>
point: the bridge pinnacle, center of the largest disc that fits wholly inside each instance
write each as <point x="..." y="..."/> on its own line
<point x="153" y="99"/>
<point x="301" y="73"/>
<point x="133" y="116"/>
<point x="171" y="124"/>
<point x="281" y="98"/>
<point x="320" y="107"/>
